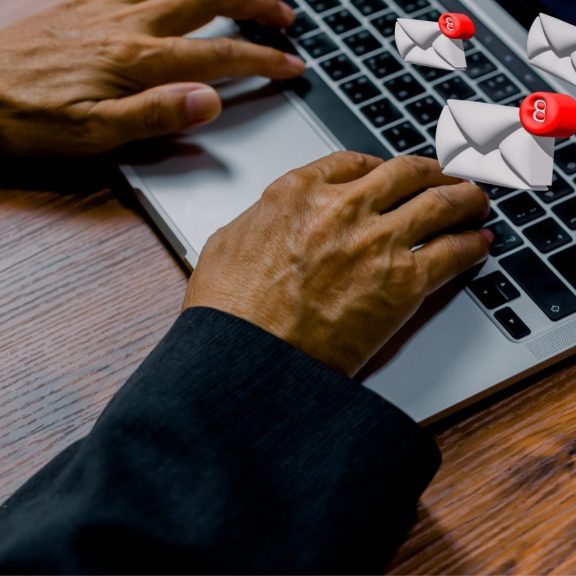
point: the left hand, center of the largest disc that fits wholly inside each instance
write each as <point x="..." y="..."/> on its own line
<point x="89" y="75"/>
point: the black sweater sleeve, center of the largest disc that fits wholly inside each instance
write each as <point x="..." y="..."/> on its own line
<point x="228" y="451"/>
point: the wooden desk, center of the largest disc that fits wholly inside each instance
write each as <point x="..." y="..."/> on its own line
<point x="86" y="291"/>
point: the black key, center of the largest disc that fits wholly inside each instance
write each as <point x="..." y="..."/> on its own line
<point x="496" y="192"/>
<point x="566" y="211"/>
<point x="386" y="24"/>
<point x="547" y="290"/>
<point x="432" y="131"/>
<point x="432" y="16"/>
<point x="318" y="45"/>
<point x="332" y="110"/>
<point x="564" y="262"/>
<point x="494" y="290"/>
<point x="404" y="136"/>
<point x="479" y="65"/>
<point x="456" y="88"/>
<point x="383" y="64"/>
<point x="505" y="238"/>
<point x="521" y="209"/>
<point x="342" y="22"/>
<point x="499" y="88"/>
<point x="360" y="90"/>
<point x="566" y="159"/>
<point x="381" y="113"/>
<point x="404" y="87"/>
<point x="362" y="43"/>
<point x="323" y="5"/>
<point x="512" y="323"/>
<point x="302" y="25"/>
<point x="425" y="110"/>
<point x="559" y="189"/>
<point x="292" y="3"/>
<point x="410" y="6"/>
<point x="547" y="235"/>
<point x="491" y="217"/>
<point x="369" y="7"/>
<point x="432" y="74"/>
<point x="339" y="67"/>
<point x="265" y="36"/>
<point x="428" y="152"/>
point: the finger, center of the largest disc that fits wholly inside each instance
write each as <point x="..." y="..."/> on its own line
<point x="344" y="167"/>
<point x="177" y="17"/>
<point x="401" y="178"/>
<point x="440" y="209"/>
<point x="154" y="112"/>
<point x="181" y="60"/>
<point x="448" y="256"/>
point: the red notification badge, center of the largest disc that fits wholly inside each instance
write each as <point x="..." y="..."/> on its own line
<point x="457" y="26"/>
<point x="549" y="114"/>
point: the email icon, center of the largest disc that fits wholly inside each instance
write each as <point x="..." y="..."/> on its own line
<point x="422" y="42"/>
<point x="487" y="143"/>
<point x="552" y="47"/>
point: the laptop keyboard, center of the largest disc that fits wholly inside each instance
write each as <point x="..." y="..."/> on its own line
<point x="357" y="84"/>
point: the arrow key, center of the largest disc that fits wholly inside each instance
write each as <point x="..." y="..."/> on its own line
<point x="512" y="323"/>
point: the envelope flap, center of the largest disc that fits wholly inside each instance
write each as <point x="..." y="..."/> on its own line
<point x="560" y="35"/>
<point x="421" y="31"/>
<point x="484" y="125"/>
<point x="537" y="41"/>
<point x="450" y="50"/>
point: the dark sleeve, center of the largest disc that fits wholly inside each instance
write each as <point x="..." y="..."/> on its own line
<point x="228" y="451"/>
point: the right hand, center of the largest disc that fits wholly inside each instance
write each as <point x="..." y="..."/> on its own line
<point x="326" y="259"/>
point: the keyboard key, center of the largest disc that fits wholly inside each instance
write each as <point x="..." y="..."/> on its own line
<point x="505" y="238"/>
<point x="512" y="323"/>
<point x="369" y="7"/>
<point x="566" y="211"/>
<point x="386" y="24"/>
<point x="432" y="74"/>
<point x="428" y="152"/>
<point x="410" y="6"/>
<point x="432" y="16"/>
<point x="323" y="5"/>
<point x="494" y="290"/>
<point x="360" y="90"/>
<point x="499" y="88"/>
<point x="302" y="25"/>
<point x="479" y="65"/>
<point x="292" y="3"/>
<point x="566" y="159"/>
<point x="491" y="216"/>
<point x="547" y="235"/>
<point x="318" y="45"/>
<point x="432" y="131"/>
<point x="342" y="22"/>
<point x="559" y="189"/>
<point x="564" y="262"/>
<point x="404" y="87"/>
<point x="521" y="209"/>
<point x="404" y="136"/>
<point x="496" y="192"/>
<point x="425" y="110"/>
<point x="383" y="64"/>
<point x="381" y="113"/>
<point x="339" y="67"/>
<point x="456" y="88"/>
<point x="550" y="294"/>
<point x="362" y="43"/>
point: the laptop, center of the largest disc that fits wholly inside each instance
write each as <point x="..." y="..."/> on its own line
<point x="517" y="314"/>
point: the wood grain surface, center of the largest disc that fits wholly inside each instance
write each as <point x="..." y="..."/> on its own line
<point x="87" y="289"/>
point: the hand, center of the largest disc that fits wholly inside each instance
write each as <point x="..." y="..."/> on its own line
<point x="326" y="259"/>
<point x="90" y="75"/>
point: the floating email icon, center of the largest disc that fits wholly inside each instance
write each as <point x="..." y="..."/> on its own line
<point x="552" y="47"/>
<point x="487" y="143"/>
<point x="422" y="42"/>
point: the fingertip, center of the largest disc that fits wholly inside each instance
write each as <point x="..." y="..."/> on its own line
<point x="203" y="105"/>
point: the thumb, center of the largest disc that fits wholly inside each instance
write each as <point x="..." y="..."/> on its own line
<point x="155" y="112"/>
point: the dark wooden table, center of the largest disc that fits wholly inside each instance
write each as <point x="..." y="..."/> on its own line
<point x="86" y="291"/>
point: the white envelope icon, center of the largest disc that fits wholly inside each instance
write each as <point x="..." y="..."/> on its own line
<point x="487" y="143"/>
<point x="422" y="42"/>
<point x="552" y="47"/>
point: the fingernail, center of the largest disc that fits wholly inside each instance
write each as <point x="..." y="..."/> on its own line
<point x="295" y="62"/>
<point x="488" y="234"/>
<point x="202" y="105"/>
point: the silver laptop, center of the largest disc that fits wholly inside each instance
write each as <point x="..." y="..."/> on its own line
<point x="515" y="315"/>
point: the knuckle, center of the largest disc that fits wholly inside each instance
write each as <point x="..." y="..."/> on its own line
<point x="154" y="119"/>
<point x="455" y="253"/>
<point x="224" y="48"/>
<point x="419" y="168"/>
<point x="121" y="51"/>
<point x="444" y="198"/>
